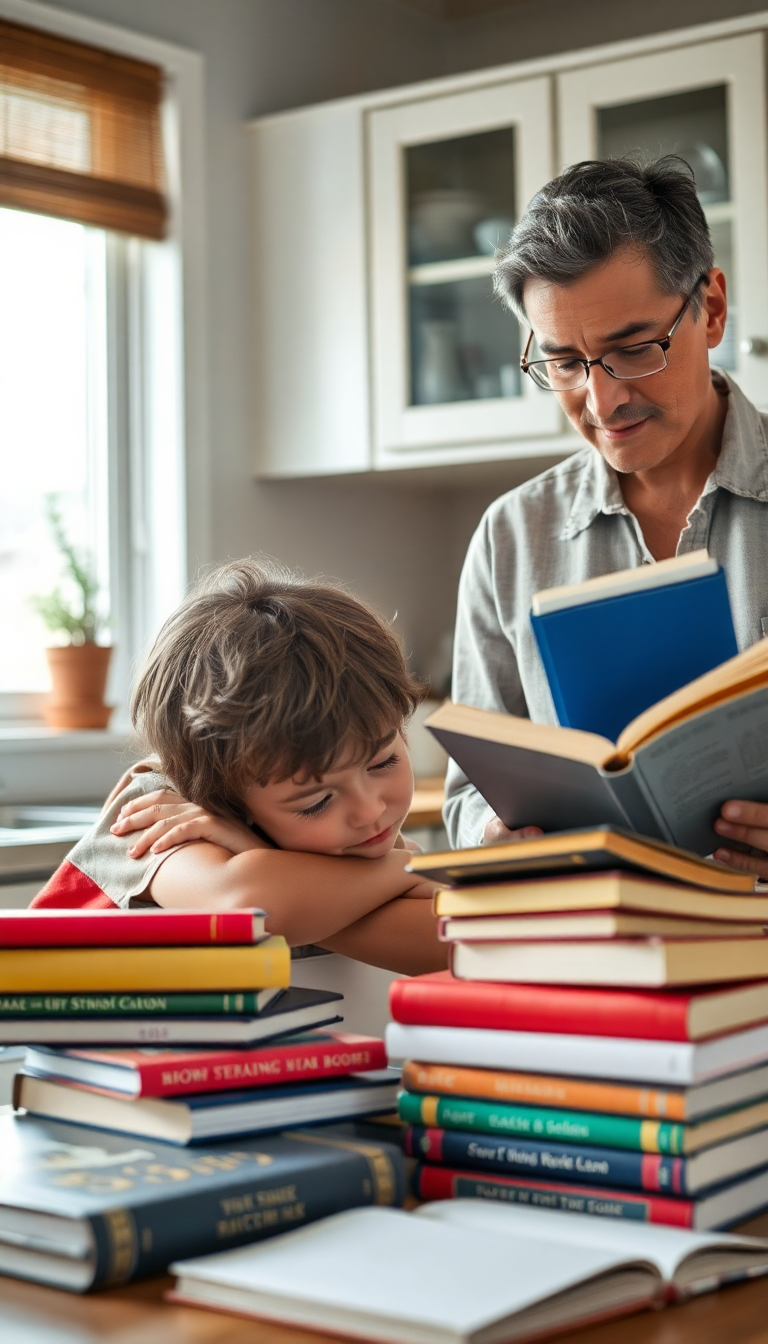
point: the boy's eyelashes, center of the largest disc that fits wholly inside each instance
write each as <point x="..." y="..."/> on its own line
<point x="320" y="806"/>
<point x="384" y="765"/>
<point x="316" y="808"/>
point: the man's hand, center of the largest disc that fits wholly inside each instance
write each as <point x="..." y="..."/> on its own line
<point x="748" y="823"/>
<point x="496" y="833"/>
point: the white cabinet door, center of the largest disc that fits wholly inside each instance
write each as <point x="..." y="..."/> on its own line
<point x="448" y="175"/>
<point x="706" y="103"/>
<point x="310" y="323"/>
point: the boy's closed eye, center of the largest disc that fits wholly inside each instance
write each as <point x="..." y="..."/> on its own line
<point x="316" y="808"/>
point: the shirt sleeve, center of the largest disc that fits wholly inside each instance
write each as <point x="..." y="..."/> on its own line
<point x="485" y="671"/>
<point x="104" y="857"/>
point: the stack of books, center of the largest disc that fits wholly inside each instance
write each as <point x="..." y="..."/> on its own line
<point x="174" y="1028"/>
<point x="602" y="1043"/>
<point x="203" y="998"/>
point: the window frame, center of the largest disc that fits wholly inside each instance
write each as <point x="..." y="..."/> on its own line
<point x="158" y="405"/>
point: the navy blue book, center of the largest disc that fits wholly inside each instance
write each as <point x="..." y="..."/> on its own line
<point x="582" y="1164"/>
<point x="81" y="1208"/>
<point x="615" y="645"/>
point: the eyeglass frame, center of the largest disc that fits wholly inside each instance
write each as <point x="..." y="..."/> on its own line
<point x="587" y="364"/>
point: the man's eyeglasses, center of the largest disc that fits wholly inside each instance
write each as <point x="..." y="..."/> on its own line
<point x="628" y="362"/>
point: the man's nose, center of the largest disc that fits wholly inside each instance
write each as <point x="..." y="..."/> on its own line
<point x="605" y="393"/>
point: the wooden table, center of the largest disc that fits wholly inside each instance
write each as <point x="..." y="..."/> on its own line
<point x="138" y="1315"/>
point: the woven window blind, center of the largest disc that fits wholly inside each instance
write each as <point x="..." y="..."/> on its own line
<point x="80" y="133"/>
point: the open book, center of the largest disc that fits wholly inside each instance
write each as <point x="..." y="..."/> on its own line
<point x="666" y="776"/>
<point x="463" y="1272"/>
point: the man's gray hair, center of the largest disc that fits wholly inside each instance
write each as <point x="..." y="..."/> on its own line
<point x="596" y="207"/>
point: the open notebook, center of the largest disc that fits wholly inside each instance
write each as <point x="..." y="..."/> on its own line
<point x="463" y="1272"/>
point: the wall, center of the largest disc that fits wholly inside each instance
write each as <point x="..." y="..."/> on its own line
<point x="399" y="545"/>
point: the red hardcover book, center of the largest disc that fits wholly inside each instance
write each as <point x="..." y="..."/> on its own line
<point x="171" y="1073"/>
<point x="128" y="928"/>
<point x="438" y="1000"/>
<point x="446" y="1183"/>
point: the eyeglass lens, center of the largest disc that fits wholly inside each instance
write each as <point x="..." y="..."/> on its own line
<point x="633" y="361"/>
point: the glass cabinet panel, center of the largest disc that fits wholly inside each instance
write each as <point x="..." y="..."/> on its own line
<point x="448" y="178"/>
<point x="694" y="125"/>
<point x="706" y="103"/>
<point x="460" y="207"/>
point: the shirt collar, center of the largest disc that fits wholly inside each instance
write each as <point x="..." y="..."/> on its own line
<point x="742" y="466"/>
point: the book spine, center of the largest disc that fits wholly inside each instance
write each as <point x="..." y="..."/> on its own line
<point x="445" y="1183"/>
<point x="134" y="1242"/>
<point x="133" y="928"/>
<point x="269" y="1066"/>
<point x="661" y="1062"/>
<point x="244" y="1004"/>
<point x="570" y="1162"/>
<point x="539" y="627"/>
<point x="434" y="1001"/>
<point x="577" y="1127"/>
<point x="532" y="1089"/>
<point x="635" y="800"/>
<point x="65" y="970"/>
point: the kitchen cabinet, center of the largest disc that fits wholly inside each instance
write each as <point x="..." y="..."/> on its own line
<point x="707" y="105"/>
<point x="378" y="345"/>
<point x="448" y="176"/>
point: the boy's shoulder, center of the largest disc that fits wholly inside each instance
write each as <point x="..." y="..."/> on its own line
<point x="99" y="870"/>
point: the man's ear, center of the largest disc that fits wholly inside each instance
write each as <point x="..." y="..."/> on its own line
<point x="714" y="307"/>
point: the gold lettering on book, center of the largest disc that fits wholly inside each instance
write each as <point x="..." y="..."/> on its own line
<point x="379" y="1163"/>
<point x="123" y="1244"/>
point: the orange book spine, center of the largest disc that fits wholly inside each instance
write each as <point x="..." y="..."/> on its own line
<point x="541" y="1089"/>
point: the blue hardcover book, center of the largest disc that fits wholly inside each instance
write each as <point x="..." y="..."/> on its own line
<point x="583" y="1164"/>
<point x="80" y="1207"/>
<point x="615" y="645"/>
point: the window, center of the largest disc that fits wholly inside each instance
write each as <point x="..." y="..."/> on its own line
<point x="92" y="329"/>
<point x="53" y="422"/>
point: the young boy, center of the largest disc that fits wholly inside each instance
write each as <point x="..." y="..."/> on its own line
<point x="275" y="707"/>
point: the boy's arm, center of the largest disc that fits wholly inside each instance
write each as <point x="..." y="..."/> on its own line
<point x="309" y="897"/>
<point x="399" y="936"/>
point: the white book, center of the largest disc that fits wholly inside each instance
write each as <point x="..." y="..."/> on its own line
<point x="614" y="1057"/>
<point x="461" y="1272"/>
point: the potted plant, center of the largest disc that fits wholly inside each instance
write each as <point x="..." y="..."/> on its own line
<point x="78" y="667"/>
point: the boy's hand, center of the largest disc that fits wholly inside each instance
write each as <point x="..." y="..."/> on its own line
<point x="166" y="820"/>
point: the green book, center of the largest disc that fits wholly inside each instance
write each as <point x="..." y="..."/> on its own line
<point x="607" y="1131"/>
<point x="246" y="1004"/>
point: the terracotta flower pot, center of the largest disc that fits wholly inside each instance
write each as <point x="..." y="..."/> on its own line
<point x="79" y="679"/>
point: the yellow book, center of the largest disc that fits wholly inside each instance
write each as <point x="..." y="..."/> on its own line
<point x="69" y="969"/>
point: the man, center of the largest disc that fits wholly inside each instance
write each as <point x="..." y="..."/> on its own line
<point x="611" y="270"/>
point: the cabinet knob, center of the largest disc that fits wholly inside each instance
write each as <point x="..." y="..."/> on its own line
<point x="754" y="345"/>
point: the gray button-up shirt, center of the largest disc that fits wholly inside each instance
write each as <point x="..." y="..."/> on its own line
<point x="570" y="524"/>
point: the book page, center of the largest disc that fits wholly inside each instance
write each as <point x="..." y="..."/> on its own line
<point x="666" y="1247"/>
<point x="692" y="768"/>
<point x="747" y="671"/>
<point x="355" y="1271"/>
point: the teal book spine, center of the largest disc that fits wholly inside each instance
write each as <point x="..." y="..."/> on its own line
<point x="577" y="1127"/>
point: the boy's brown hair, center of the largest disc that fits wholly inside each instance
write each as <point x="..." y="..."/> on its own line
<point x="262" y="675"/>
